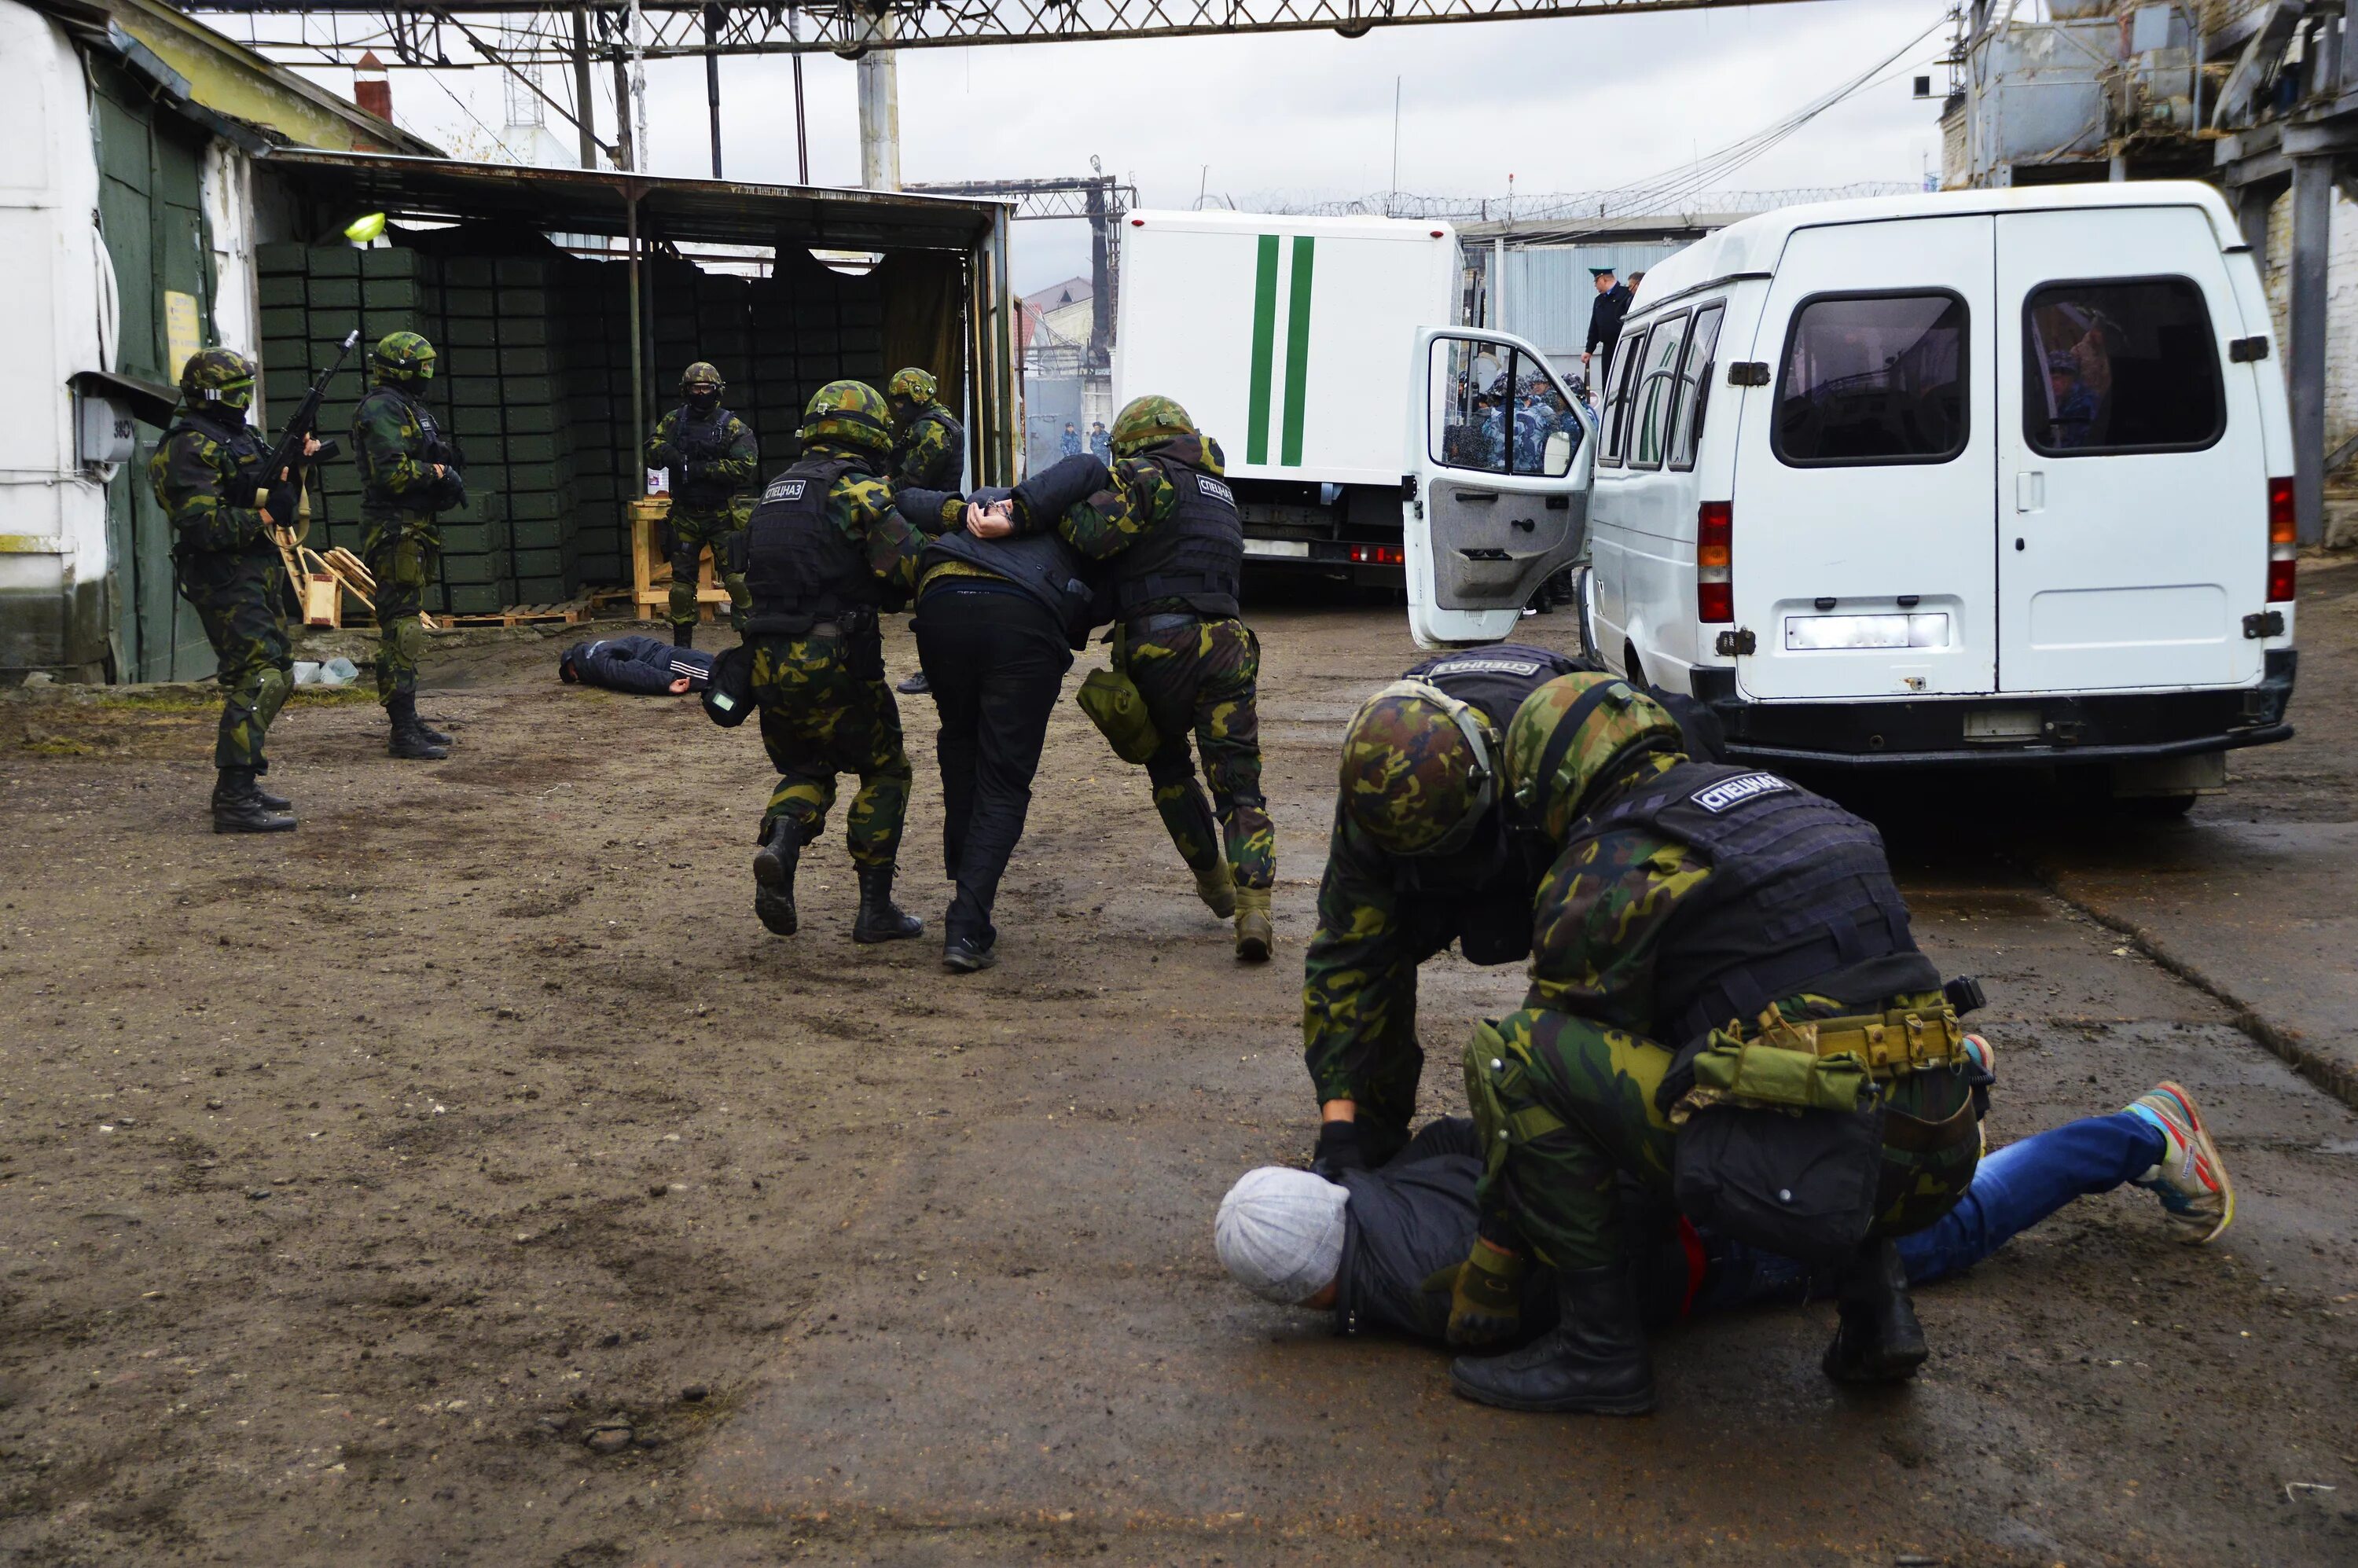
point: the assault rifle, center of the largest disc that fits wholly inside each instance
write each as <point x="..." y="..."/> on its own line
<point x="287" y="458"/>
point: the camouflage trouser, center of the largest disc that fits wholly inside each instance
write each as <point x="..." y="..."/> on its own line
<point x="693" y="530"/>
<point x="1561" y="1186"/>
<point x="826" y="710"/>
<point x="406" y="559"/>
<point x="1202" y="677"/>
<point x="236" y="598"/>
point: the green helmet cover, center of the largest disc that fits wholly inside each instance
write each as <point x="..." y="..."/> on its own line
<point x="218" y="375"/>
<point x="1417" y="769"/>
<point x="851" y="413"/>
<point x="402" y="357"/>
<point x="1143" y="421"/>
<point x="701" y="375"/>
<point x="913" y="386"/>
<point x="1552" y="775"/>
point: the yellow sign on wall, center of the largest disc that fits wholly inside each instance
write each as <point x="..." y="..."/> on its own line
<point x="183" y="334"/>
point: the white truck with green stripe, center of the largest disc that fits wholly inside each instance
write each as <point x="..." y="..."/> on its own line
<point x="1319" y="352"/>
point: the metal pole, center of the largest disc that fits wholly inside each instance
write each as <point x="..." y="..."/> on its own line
<point x="639" y="86"/>
<point x="638" y="355"/>
<point x="802" y="131"/>
<point x="712" y="78"/>
<point x="1002" y="352"/>
<point x="2312" y="210"/>
<point x="584" y="118"/>
<point x="1100" y="277"/>
<point x="625" y="145"/>
<point x="880" y="110"/>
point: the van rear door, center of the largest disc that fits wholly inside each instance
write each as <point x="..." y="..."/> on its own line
<point x="1864" y="522"/>
<point x="2133" y="481"/>
<point x="1499" y="458"/>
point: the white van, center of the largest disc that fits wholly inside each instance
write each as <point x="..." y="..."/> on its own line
<point x="1990" y="476"/>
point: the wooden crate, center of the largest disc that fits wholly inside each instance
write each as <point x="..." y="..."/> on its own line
<point x="651" y="570"/>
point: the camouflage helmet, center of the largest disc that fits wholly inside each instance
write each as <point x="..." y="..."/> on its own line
<point x="1143" y="421"/>
<point x="1417" y="769"/>
<point x="701" y="375"/>
<point x="1573" y="735"/>
<point x="851" y="413"/>
<point x="402" y="357"/>
<point x="217" y="375"/>
<point x="913" y="386"/>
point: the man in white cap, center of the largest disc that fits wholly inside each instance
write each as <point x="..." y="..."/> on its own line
<point x="1378" y="1248"/>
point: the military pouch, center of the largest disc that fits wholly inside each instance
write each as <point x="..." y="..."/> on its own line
<point x="729" y="698"/>
<point x="1800" y="1184"/>
<point x="1762" y="1073"/>
<point x="1492" y="1075"/>
<point x="1118" y="708"/>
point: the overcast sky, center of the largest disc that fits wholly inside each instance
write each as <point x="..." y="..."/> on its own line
<point x="1568" y="105"/>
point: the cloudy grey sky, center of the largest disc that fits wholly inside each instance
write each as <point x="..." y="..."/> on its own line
<point x="1568" y="105"/>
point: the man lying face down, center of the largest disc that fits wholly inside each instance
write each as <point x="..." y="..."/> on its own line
<point x="1378" y="1248"/>
<point x="640" y="666"/>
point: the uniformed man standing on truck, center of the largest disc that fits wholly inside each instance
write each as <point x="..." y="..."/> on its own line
<point x="408" y="473"/>
<point x="715" y="464"/>
<point x="1420" y="858"/>
<point x="1167" y="525"/>
<point x="207" y="476"/>
<point x="1725" y="1001"/>
<point x="823" y="554"/>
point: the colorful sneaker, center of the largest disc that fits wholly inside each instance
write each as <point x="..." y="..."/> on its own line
<point x="1980" y="1053"/>
<point x="2192" y="1180"/>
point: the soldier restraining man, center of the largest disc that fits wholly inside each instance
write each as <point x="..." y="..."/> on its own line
<point x="824" y="553"/>
<point x="1727" y="1005"/>
<point x="207" y="476"/>
<point x="1167" y="524"/>
<point x="408" y="474"/>
<point x="928" y="451"/>
<point x="715" y="464"/>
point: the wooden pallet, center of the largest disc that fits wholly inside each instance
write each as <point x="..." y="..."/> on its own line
<point x="523" y="615"/>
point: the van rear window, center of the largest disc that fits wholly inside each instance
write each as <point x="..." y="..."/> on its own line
<point x="2120" y="365"/>
<point x="1873" y="378"/>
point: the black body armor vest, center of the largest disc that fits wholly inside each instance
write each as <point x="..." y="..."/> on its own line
<point x="1798" y="892"/>
<point x="1482" y="894"/>
<point x="1041" y="565"/>
<point x="799" y="566"/>
<point x="246" y="448"/>
<point x="1196" y="554"/>
<point x="703" y="441"/>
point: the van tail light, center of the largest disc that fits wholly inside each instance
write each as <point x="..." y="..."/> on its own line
<point x="2284" y="520"/>
<point x="1714" y="562"/>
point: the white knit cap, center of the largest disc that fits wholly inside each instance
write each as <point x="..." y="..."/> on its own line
<point x="1280" y="1233"/>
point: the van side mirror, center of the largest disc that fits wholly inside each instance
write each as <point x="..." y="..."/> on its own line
<point x="1555" y="460"/>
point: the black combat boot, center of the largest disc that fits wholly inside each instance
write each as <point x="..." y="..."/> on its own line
<point x="773" y="875"/>
<point x="409" y="739"/>
<point x="238" y="806"/>
<point x="683" y="636"/>
<point x="431" y="733"/>
<point x="269" y="801"/>
<point x="879" y="919"/>
<point x="1595" y="1360"/>
<point x="1877" y="1337"/>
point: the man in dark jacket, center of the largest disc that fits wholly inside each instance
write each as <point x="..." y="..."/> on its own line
<point x="1378" y="1249"/>
<point x="1604" y="325"/>
<point x="640" y="665"/>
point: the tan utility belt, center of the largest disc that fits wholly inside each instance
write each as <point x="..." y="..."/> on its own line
<point x="1901" y="1040"/>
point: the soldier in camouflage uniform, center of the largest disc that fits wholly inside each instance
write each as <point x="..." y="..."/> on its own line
<point x="1419" y="859"/>
<point x="929" y="443"/>
<point x="715" y="464"/>
<point x="1685" y="903"/>
<point x="207" y="476"/>
<point x="824" y="552"/>
<point x="1166" y="523"/>
<point x="408" y="473"/>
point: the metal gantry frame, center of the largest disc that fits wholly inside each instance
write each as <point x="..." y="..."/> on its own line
<point x="1101" y="199"/>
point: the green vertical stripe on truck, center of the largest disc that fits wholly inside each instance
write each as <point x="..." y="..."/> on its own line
<point x="1264" y="351"/>
<point x="1297" y="348"/>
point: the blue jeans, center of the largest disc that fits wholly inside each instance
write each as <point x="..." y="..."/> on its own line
<point x="2013" y="1190"/>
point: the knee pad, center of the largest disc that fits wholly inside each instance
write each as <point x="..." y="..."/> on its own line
<point x="409" y="638"/>
<point x="270" y="691"/>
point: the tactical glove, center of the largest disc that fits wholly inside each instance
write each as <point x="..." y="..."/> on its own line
<point x="450" y="490"/>
<point x="1042" y="499"/>
<point x="1486" y="1297"/>
<point x="281" y="502"/>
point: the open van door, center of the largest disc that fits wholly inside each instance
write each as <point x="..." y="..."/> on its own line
<point x="1499" y="458"/>
<point x="2133" y="473"/>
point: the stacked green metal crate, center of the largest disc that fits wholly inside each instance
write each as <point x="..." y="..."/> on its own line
<point x="478" y="566"/>
<point x="589" y="322"/>
<point x="537" y="439"/>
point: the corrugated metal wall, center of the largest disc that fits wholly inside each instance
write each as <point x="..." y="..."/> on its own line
<point x="1549" y="292"/>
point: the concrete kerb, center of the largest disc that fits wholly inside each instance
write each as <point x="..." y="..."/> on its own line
<point x="2336" y="1078"/>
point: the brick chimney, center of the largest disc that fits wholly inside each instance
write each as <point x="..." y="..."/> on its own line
<point x="372" y="89"/>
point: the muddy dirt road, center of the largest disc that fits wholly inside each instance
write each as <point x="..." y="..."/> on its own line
<point x="467" y="1178"/>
